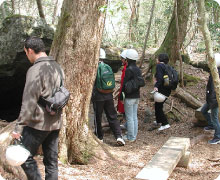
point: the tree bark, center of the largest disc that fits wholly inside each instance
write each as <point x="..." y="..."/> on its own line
<point x="55" y="12"/>
<point x="178" y="45"/>
<point x="134" y="5"/>
<point x="147" y="34"/>
<point x="169" y="44"/>
<point x="40" y="9"/>
<point x="76" y="47"/>
<point x="202" y="20"/>
<point x="187" y="98"/>
<point x="13" y="6"/>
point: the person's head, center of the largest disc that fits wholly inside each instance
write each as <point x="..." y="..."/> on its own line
<point x="123" y="56"/>
<point x="217" y="59"/>
<point x="33" y="46"/>
<point x="102" y="54"/>
<point x="131" y="55"/>
<point x="163" y="57"/>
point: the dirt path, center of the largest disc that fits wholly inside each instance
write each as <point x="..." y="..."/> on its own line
<point x="127" y="161"/>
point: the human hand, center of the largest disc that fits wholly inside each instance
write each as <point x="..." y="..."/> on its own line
<point x="16" y="135"/>
<point x="155" y="89"/>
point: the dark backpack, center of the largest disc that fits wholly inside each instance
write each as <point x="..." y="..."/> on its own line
<point x="105" y="79"/>
<point x="172" y="77"/>
<point x="134" y="84"/>
<point x="59" y="99"/>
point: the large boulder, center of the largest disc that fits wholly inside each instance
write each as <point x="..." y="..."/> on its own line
<point x="13" y="61"/>
<point x="113" y="58"/>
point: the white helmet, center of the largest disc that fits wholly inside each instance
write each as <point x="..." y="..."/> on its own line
<point x="132" y="54"/>
<point x="16" y="155"/>
<point x="158" y="97"/>
<point x="123" y="54"/>
<point x="217" y="59"/>
<point x="102" y="54"/>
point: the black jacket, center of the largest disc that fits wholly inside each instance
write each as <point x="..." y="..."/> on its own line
<point x="160" y="72"/>
<point x="131" y="70"/>
<point x="210" y="93"/>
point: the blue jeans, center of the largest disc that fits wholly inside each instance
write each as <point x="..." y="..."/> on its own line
<point x="32" y="139"/>
<point x="131" y="106"/>
<point x="212" y="119"/>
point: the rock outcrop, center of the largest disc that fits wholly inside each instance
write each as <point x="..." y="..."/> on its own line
<point x="13" y="61"/>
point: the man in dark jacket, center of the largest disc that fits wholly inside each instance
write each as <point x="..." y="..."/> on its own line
<point x="35" y="126"/>
<point x="159" y="86"/>
<point x="212" y="104"/>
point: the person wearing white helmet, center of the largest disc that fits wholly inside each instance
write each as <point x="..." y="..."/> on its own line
<point x="159" y="87"/>
<point x="212" y="104"/>
<point x="131" y="100"/>
<point x="120" y="106"/>
<point x="103" y="100"/>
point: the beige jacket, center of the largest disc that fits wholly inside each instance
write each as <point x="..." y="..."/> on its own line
<point x="42" y="79"/>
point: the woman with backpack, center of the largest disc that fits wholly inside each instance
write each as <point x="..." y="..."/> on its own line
<point x="131" y="99"/>
<point x="163" y="90"/>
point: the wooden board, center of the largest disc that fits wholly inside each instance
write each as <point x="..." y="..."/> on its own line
<point x="165" y="160"/>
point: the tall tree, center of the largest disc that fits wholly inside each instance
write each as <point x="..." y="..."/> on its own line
<point x="169" y="44"/>
<point x="147" y="34"/>
<point x="202" y="20"/>
<point x="76" y="47"/>
<point x="55" y="12"/>
<point x="134" y="6"/>
<point x="40" y="9"/>
<point x="13" y="6"/>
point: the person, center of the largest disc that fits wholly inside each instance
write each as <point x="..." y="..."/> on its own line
<point x="131" y="100"/>
<point x="212" y="104"/>
<point x="35" y="126"/>
<point x="103" y="100"/>
<point x="159" y="87"/>
<point x="120" y="105"/>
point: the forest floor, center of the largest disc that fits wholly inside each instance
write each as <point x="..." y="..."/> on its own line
<point x="126" y="161"/>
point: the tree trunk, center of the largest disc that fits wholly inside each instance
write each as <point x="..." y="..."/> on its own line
<point x="40" y="9"/>
<point x="169" y="44"/>
<point x="76" y="47"/>
<point x="134" y="5"/>
<point x="3" y="10"/>
<point x="187" y="98"/>
<point x="178" y="45"/>
<point x="55" y="12"/>
<point x="202" y="20"/>
<point x="13" y="6"/>
<point x="147" y="34"/>
<point x="5" y="140"/>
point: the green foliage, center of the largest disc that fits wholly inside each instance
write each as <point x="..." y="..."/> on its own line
<point x="190" y="80"/>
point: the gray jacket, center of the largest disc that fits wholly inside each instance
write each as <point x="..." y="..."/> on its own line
<point x="42" y="79"/>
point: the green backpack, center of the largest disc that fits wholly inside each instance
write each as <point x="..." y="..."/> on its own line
<point x="105" y="79"/>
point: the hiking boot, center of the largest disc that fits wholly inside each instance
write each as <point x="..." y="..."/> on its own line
<point x="126" y="139"/>
<point x="123" y="127"/>
<point x="208" y="128"/>
<point x="164" y="127"/>
<point x="214" y="141"/>
<point x="157" y="124"/>
<point x="120" y="141"/>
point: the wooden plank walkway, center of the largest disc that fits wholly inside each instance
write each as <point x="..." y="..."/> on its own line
<point x="165" y="160"/>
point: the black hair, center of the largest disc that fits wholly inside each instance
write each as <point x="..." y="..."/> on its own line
<point x="163" y="57"/>
<point x="130" y="61"/>
<point x="35" y="43"/>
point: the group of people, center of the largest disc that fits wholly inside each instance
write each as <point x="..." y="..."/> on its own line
<point x="35" y="126"/>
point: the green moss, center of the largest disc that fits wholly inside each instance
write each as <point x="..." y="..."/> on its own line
<point x="190" y="80"/>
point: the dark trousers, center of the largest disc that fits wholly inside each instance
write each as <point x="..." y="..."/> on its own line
<point x="111" y="114"/>
<point x="32" y="139"/>
<point x="160" y="116"/>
